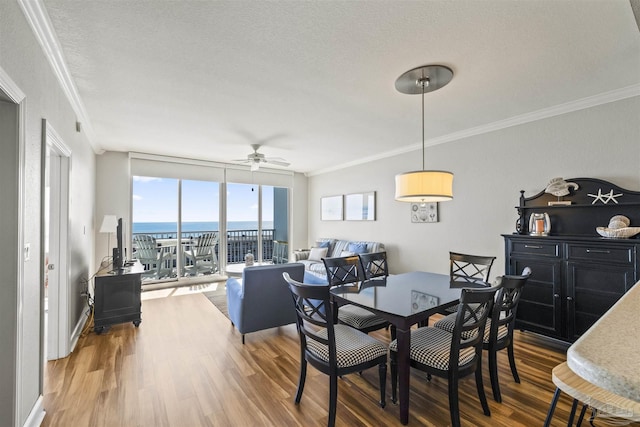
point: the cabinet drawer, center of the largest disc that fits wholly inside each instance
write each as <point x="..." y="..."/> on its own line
<point x="533" y="247"/>
<point x="620" y="255"/>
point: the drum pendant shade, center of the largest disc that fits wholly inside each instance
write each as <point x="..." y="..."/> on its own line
<point x="424" y="186"/>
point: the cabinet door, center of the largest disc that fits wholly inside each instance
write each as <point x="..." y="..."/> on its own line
<point x="592" y="288"/>
<point x="539" y="309"/>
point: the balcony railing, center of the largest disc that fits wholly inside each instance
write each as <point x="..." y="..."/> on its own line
<point x="239" y="242"/>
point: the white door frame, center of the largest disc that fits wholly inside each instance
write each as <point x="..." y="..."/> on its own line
<point x="58" y="171"/>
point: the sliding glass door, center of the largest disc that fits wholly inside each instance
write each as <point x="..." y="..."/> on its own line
<point x="257" y="223"/>
<point x="199" y="246"/>
<point x="155" y="226"/>
<point x="194" y="227"/>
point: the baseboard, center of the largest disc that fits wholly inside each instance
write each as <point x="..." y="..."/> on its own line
<point x="36" y="415"/>
<point x="77" y="330"/>
<point x="542" y="340"/>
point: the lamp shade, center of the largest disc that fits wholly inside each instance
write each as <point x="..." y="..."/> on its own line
<point x="424" y="186"/>
<point x="109" y="224"/>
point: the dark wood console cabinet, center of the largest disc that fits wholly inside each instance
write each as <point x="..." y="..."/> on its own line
<point x="576" y="274"/>
<point x="117" y="297"/>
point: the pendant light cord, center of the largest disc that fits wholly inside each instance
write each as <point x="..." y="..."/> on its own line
<point x="422" y="83"/>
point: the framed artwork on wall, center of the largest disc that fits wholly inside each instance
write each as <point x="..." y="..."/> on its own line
<point x="331" y="208"/>
<point x="424" y="212"/>
<point x="360" y="206"/>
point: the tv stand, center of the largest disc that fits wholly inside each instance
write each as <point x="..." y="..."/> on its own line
<point x="117" y="297"/>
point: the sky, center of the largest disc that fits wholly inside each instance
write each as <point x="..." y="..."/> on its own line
<point x="156" y="200"/>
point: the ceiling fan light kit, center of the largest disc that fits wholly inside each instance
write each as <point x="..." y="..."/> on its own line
<point x="424" y="186"/>
<point x="254" y="159"/>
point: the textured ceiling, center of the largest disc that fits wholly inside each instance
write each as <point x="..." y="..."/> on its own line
<point x="314" y="81"/>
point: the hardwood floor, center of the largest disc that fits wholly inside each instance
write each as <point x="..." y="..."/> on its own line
<point x="186" y="366"/>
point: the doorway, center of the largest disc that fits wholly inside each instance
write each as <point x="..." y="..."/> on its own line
<point x="57" y="158"/>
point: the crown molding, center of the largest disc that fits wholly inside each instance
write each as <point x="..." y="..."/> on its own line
<point x="9" y="87"/>
<point x="545" y="113"/>
<point x="38" y="19"/>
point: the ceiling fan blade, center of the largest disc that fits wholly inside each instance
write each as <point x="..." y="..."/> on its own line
<point x="277" y="162"/>
<point x="241" y="160"/>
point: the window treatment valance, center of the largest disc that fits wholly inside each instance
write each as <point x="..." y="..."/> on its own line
<point x="177" y="168"/>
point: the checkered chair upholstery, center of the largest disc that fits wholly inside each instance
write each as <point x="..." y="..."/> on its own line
<point x="333" y="349"/>
<point x="455" y="354"/>
<point x="350" y="271"/>
<point x="498" y="334"/>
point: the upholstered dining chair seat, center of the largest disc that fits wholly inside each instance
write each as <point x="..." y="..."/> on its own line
<point x="358" y="317"/>
<point x="352" y="347"/>
<point x="432" y="346"/>
<point x="447" y="323"/>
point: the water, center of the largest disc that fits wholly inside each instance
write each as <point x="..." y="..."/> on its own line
<point x="172" y="227"/>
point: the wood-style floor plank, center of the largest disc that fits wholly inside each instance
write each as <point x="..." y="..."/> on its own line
<point x="185" y="366"/>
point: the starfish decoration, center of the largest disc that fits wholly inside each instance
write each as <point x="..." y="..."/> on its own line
<point x="604" y="198"/>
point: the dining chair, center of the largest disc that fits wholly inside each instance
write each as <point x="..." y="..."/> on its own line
<point x="333" y="349"/>
<point x="374" y="264"/>
<point x="468" y="270"/>
<point x="498" y="334"/>
<point x="452" y="355"/>
<point x="349" y="271"/>
<point x="465" y="270"/>
<point x="202" y="254"/>
<point x="156" y="261"/>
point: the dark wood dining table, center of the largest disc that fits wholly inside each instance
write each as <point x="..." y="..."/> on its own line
<point x="404" y="300"/>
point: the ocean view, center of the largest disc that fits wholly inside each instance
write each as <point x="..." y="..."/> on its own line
<point x="172" y="227"/>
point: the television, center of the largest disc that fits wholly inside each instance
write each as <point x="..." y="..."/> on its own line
<point x="118" y="251"/>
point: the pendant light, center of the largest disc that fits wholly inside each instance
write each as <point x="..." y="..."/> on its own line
<point x="424" y="186"/>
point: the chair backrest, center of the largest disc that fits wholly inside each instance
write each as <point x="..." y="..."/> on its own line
<point x="146" y="247"/>
<point x="506" y="304"/>
<point x="474" y="308"/>
<point x="343" y="270"/>
<point x="374" y="264"/>
<point x="314" y="315"/>
<point x="469" y="269"/>
<point x="205" y="244"/>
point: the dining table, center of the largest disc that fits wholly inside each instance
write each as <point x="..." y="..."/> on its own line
<point x="403" y="300"/>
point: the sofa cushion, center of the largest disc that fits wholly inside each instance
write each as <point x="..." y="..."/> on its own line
<point x="316" y="254"/>
<point x="323" y="243"/>
<point x="358" y="247"/>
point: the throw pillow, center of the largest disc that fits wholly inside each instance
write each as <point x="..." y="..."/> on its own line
<point x="316" y="254"/>
<point x="358" y="248"/>
<point x="347" y="253"/>
<point x="323" y="243"/>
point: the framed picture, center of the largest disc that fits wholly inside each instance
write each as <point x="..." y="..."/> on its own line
<point x="360" y="206"/>
<point x="424" y="212"/>
<point x="331" y="208"/>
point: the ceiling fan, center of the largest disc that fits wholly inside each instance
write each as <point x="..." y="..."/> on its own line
<point x="255" y="158"/>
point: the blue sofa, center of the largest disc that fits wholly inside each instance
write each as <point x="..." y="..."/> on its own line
<point x="261" y="299"/>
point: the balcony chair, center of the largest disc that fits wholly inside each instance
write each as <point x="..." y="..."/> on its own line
<point x="157" y="262"/>
<point x="280" y="252"/>
<point x="452" y="355"/>
<point x="349" y="271"/>
<point x="202" y="254"/>
<point x="333" y="349"/>
<point x="498" y="334"/>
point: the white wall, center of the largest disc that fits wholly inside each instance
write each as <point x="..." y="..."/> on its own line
<point x="22" y="59"/>
<point x="489" y="171"/>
